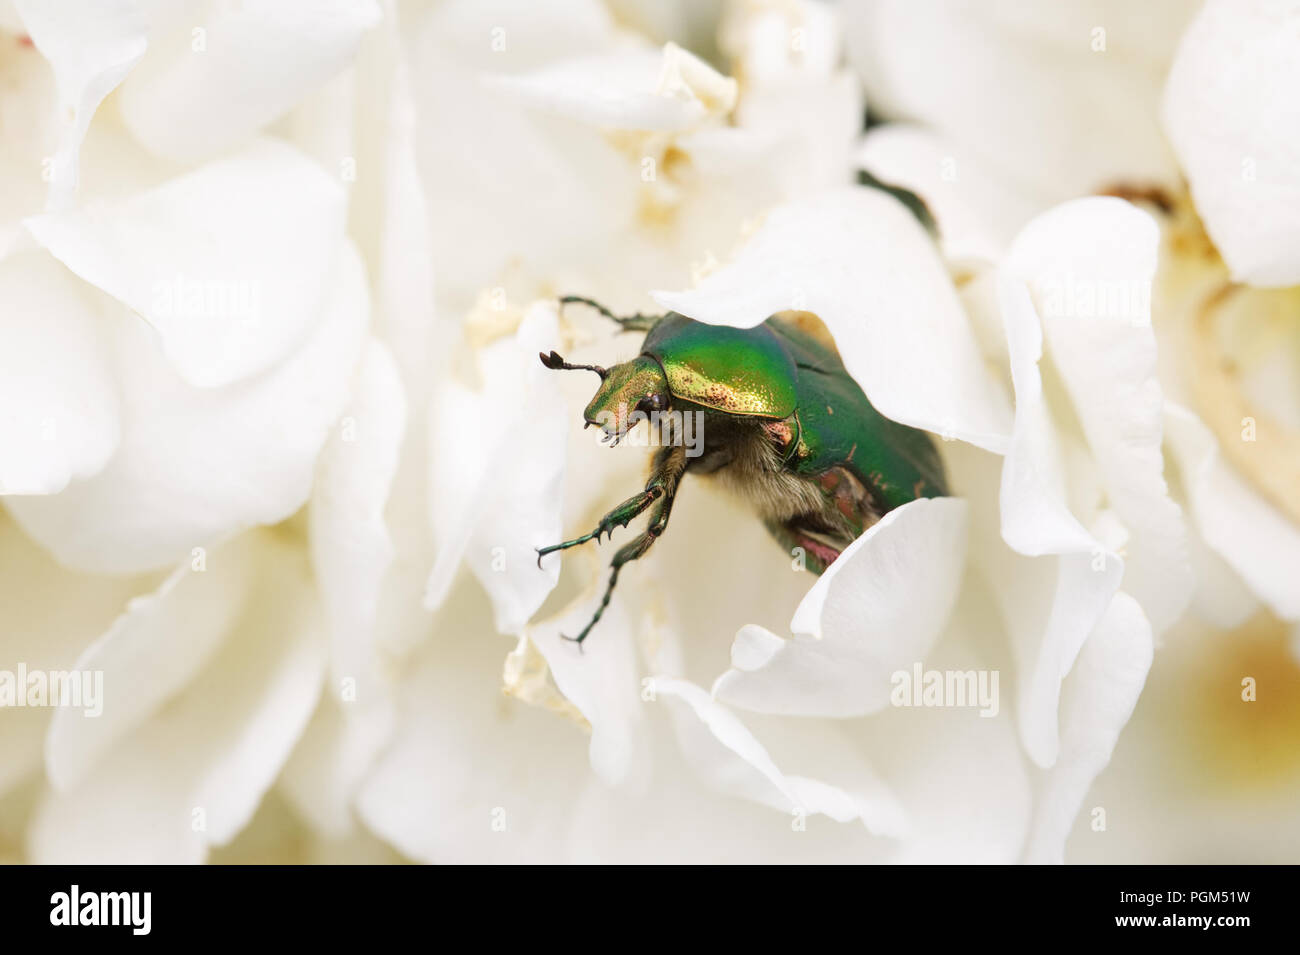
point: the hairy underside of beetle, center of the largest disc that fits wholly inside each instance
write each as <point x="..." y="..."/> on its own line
<point x="820" y="515"/>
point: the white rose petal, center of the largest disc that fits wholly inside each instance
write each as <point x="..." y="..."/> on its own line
<point x="623" y="90"/>
<point x="404" y="275"/>
<point x="29" y="104"/>
<point x="1050" y="606"/>
<point x="351" y="551"/>
<point x="481" y="235"/>
<point x="876" y="609"/>
<point x="59" y="405"/>
<point x="680" y="821"/>
<point x="1089" y="265"/>
<point x="762" y="39"/>
<point x="961" y="778"/>
<point x="1098" y="699"/>
<point x="977" y="213"/>
<point x="1250" y="534"/>
<point x="689" y="22"/>
<point x="1222" y="598"/>
<point x="45" y="630"/>
<point x="1231" y="114"/>
<point x="395" y="241"/>
<point x="229" y="263"/>
<point x="469" y="776"/>
<point x="959" y="769"/>
<point x="350" y="544"/>
<point x="92" y="45"/>
<point x="195" y="464"/>
<point x="150" y="653"/>
<point x="476" y="34"/>
<point x="9" y="19"/>
<point x="1061" y="98"/>
<point x="865" y="266"/>
<point x="488" y="508"/>
<point x="800" y="132"/>
<point x="734" y="761"/>
<point x="123" y="823"/>
<point x="211" y="82"/>
<point x="602" y="679"/>
<point x="329" y="765"/>
<point x="193" y="775"/>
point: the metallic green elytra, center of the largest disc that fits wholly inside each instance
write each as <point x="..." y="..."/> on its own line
<point x="780" y="422"/>
<point x="742" y="371"/>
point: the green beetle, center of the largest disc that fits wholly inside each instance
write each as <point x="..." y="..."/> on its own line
<point x="783" y="424"/>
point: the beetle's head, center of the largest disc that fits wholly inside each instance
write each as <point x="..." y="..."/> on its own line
<point x="628" y="393"/>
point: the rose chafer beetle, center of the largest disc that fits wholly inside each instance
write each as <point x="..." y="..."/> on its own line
<point x="783" y="425"/>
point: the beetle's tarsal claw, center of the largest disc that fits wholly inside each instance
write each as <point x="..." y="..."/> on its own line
<point x="543" y="551"/>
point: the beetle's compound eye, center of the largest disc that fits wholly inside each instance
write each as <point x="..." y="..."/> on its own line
<point x="651" y="403"/>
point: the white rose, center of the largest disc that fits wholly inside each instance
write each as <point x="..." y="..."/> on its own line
<point x="186" y="357"/>
<point x="277" y="450"/>
<point x="857" y="259"/>
<point x="1199" y="106"/>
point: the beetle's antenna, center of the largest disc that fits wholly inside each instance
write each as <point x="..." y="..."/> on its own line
<point x="556" y="363"/>
<point x="631" y="323"/>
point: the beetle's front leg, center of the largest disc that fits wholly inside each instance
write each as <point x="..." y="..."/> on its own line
<point x="670" y="464"/>
<point x="668" y="467"/>
<point x="629" y="552"/>
<point x="620" y="516"/>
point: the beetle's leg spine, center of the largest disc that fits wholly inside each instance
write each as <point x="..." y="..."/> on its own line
<point x="670" y="463"/>
<point x="626" y="554"/>
<point x="595" y="618"/>
<point x="620" y="516"/>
